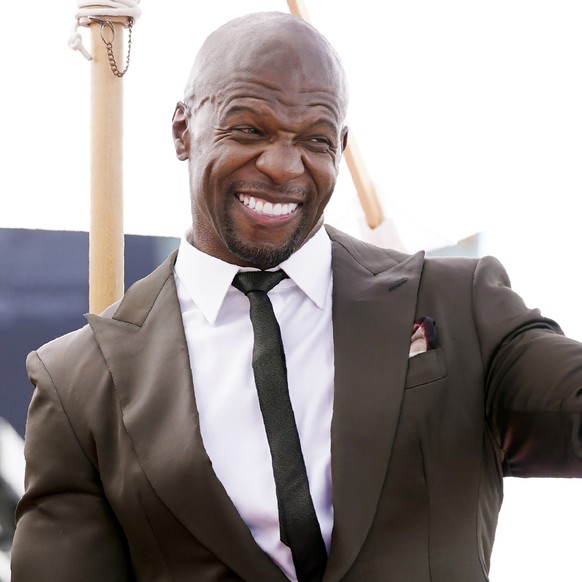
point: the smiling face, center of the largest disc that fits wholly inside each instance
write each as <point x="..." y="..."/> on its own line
<point x="262" y="132"/>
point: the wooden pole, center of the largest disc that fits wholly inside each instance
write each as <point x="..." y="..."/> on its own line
<point x="360" y="176"/>
<point x="298" y="8"/>
<point x="106" y="244"/>
<point x="363" y="183"/>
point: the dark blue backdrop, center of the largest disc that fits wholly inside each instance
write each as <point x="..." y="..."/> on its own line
<point x="44" y="294"/>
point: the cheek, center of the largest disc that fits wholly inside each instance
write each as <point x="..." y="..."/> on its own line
<point x="220" y="161"/>
<point x="204" y="171"/>
<point x="325" y="176"/>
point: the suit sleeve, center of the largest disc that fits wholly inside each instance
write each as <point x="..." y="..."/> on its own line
<point x="66" y="529"/>
<point x="534" y="381"/>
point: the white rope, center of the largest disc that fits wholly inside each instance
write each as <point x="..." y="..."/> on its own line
<point x="106" y="9"/>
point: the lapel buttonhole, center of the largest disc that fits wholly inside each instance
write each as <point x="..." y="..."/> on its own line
<point x="398" y="283"/>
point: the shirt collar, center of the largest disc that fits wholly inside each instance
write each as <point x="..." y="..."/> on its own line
<point x="207" y="279"/>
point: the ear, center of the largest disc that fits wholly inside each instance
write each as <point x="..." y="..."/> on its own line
<point x="344" y="137"/>
<point x="180" y="131"/>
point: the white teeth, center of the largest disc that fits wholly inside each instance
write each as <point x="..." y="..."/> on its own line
<point x="268" y="208"/>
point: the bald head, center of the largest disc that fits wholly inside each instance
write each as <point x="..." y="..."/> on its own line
<point x="267" y="42"/>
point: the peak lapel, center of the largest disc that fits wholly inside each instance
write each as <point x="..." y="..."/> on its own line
<point x="374" y="302"/>
<point x="145" y="348"/>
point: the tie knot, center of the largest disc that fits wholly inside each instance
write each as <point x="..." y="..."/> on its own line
<point x="258" y="280"/>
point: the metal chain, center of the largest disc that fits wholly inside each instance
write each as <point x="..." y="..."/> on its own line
<point x="109" y="46"/>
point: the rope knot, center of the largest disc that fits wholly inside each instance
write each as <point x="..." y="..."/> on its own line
<point x="76" y="43"/>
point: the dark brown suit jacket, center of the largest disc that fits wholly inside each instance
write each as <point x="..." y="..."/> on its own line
<point x="119" y="486"/>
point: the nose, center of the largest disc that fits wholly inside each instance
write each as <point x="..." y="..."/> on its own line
<point x="281" y="162"/>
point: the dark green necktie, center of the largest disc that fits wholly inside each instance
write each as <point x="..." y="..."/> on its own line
<point x="300" y="529"/>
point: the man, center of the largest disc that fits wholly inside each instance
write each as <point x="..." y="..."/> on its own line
<point x="149" y="452"/>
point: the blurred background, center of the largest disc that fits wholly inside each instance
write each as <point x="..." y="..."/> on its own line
<point x="468" y="118"/>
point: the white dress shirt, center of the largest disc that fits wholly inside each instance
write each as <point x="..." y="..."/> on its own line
<point x="219" y="335"/>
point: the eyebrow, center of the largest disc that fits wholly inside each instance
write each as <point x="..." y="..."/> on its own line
<point x="237" y="109"/>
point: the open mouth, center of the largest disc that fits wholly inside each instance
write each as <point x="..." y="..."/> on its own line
<point x="267" y="208"/>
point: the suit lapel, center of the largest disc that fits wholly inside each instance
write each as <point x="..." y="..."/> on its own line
<point x="145" y="348"/>
<point x="374" y="302"/>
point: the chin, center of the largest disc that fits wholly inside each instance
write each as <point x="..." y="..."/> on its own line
<point x="263" y="256"/>
<point x="261" y="253"/>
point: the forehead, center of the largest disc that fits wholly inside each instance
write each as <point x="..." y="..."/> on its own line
<point x="281" y="94"/>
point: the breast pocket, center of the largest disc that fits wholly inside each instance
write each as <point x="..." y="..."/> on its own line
<point x="425" y="368"/>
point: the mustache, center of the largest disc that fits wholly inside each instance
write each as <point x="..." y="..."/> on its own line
<point x="263" y="186"/>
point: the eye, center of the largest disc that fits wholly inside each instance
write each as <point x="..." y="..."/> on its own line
<point x="246" y="131"/>
<point x="320" y="143"/>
